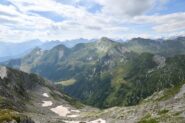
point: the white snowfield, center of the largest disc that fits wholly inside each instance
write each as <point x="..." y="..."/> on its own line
<point x="94" y="121"/>
<point x="97" y="121"/>
<point x="72" y="115"/>
<point x="3" y="72"/>
<point x="66" y="112"/>
<point x="47" y="103"/>
<point x="72" y="121"/>
<point x="45" y="95"/>
<point x="61" y="110"/>
<point x="76" y="111"/>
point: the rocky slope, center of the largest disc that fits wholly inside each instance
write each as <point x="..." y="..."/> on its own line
<point x="166" y="106"/>
<point x="27" y="98"/>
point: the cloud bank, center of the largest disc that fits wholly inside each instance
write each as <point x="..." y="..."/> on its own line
<point x="22" y="20"/>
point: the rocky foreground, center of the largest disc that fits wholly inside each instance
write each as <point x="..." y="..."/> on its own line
<point x="163" y="107"/>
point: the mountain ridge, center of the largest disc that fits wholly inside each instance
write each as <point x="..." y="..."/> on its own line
<point x="117" y="67"/>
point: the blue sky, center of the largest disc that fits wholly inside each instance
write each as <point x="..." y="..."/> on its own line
<point x="23" y="20"/>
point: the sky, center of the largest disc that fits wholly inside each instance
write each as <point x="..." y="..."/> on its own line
<point x="23" y="20"/>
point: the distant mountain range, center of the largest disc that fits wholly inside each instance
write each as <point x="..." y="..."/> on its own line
<point x="106" y="73"/>
<point x="17" y="50"/>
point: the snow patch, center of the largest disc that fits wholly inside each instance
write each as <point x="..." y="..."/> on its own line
<point x="72" y="121"/>
<point x="72" y="115"/>
<point x="76" y="111"/>
<point x="98" y="121"/>
<point x="61" y="110"/>
<point x="94" y="121"/>
<point x="47" y="103"/>
<point x="3" y="72"/>
<point x="45" y="95"/>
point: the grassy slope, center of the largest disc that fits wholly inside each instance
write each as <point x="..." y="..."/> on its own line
<point x="109" y="73"/>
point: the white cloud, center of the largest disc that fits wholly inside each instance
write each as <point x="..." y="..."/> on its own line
<point x="79" y="22"/>
<point x="164" y="23"/>
<point x="21" y="21"/>
<point x="126" y="7"/>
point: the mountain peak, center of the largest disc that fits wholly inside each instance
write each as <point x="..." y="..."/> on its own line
<point x="104" y="44"/>
<point x="105" y="39"/>
<point x="60" y="46"/>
